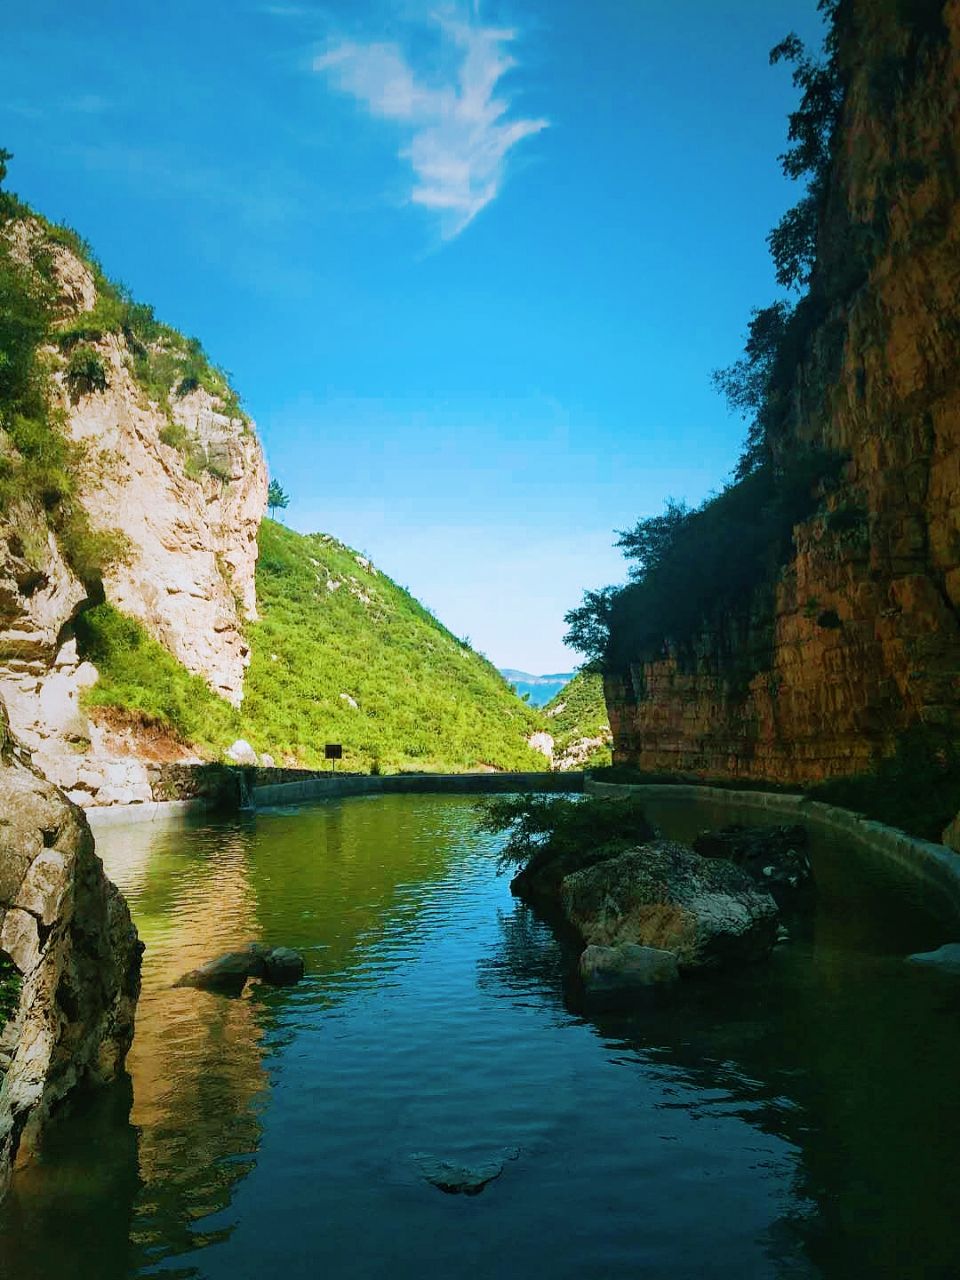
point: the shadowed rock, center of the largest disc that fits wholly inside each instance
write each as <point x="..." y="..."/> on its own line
<point x="229" y="973"/>
<point x="611" y="971"/>
<point x="70" y="954"/>
<point x="707" y="911"/>
<point x="775" y="856"/>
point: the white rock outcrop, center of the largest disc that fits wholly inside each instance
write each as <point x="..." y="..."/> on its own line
<point x="189" y="527"/>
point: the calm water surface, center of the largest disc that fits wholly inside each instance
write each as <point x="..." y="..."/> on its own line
<point x="800" y="1119"/>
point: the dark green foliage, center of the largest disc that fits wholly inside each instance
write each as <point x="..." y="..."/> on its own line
<point x="146" y="685"/>
<point x="333" y="629"/>
<point x="715" y="568"/>
<point x="560" y="830"/>
<point x="694" y="569"/>
<point x="11" y="983"/>
<point x="86" y="372"/>
<point x="277" y="498"/>
<point x="916" y="789"/>
<point x="923" y="19"/>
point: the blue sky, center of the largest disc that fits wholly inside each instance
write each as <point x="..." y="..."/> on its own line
<point x="470" y="264"/>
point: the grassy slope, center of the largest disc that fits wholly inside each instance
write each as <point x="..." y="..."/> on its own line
<point x="424" y="699"/>
<point x="583" y="715"/>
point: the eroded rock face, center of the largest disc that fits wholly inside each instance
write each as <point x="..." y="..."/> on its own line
<point x="67" y="930"/>
<point x="706" y="911"/>
<point x="190" y="533"/>
<point x="865" y="626"/>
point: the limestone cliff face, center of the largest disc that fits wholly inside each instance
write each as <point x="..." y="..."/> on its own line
<point x="186" y="494"/>
<point x="67" y="933"/>
<point x="863" y="639"/>
<point x="192" y="534"/>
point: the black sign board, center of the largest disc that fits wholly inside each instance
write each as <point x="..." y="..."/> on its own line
<point x="333" y="751"/>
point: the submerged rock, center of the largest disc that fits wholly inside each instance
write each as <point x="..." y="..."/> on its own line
<point x="228" y="974"/>
<point x="707" y="911"/>
<point x="626" y="968"/>
<point x="776" y="857"/>
<point x="462" y="1179"/>
<point x="945" y="958"/>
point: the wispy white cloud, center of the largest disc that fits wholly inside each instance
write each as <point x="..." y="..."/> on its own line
<point x="457" y="130"/>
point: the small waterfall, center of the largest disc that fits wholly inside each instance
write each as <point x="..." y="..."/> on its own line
<point x="245" y="791"/>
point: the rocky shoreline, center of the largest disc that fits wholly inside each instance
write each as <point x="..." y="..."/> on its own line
<point x="70" y="951"/>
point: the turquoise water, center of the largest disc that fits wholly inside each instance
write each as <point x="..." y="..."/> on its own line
<point x="799" y="1119"/>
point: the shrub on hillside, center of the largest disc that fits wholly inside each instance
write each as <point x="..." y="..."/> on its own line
<point x="86" y="373"/>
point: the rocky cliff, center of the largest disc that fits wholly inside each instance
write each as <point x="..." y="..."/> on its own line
<point x="165" y="468"/>
<point x="69" y="957"/>
<point x="858" y="637"/>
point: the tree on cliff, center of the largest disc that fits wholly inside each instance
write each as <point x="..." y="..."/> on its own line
<point x="277" y="497"/>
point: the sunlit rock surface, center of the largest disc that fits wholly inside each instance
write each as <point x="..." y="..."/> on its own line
<point x="66" y="930"/>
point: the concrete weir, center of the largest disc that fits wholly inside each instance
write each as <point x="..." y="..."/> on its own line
<point x="330" y="786"/>
<point x="933" y="864"/>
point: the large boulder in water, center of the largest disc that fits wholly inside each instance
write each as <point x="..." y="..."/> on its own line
<point x="707" y="911"/>
<point x="775" y="857"/>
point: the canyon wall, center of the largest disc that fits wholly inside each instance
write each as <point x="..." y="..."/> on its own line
<point x="182" y="487"/>
<point x="863" y="637"/>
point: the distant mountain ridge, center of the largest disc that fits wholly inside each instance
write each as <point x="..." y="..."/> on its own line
<point x="541" y="689"/>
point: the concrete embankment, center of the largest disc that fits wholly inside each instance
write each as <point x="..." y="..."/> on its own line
<point x="332" y="785"/>
<point x="934" y="864"/>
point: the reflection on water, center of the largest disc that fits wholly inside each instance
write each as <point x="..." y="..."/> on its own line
<point x="793" y="1120"/>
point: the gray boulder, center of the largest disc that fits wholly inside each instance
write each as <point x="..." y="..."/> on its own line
<point x="607" y="971"/>
<point x="945" y="958"/>
<point x="462" y="1179"/>
<point x="707" y="911"/>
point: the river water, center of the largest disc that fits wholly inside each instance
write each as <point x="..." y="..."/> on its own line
<point x="798" y="1119"/>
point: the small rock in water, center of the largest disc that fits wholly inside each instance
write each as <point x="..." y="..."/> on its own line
<point x="461" y="1179"/>
<point x="946" y="958"/>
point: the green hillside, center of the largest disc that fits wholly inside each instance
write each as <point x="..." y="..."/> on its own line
<point x="576" y="718"/>
<point x="334" y="632"/>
